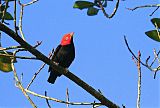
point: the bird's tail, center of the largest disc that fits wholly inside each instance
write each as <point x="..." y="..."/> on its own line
<point x="52" y="77"/>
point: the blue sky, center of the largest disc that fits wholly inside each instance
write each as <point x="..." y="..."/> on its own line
<point x="102" y="59"/>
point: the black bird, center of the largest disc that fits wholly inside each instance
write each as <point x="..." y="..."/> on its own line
<point x="63" y="56"/>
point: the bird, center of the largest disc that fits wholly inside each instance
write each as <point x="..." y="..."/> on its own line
<point x="63" y="56"/>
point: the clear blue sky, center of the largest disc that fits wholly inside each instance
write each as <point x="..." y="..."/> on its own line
<point x="102" y="59"/>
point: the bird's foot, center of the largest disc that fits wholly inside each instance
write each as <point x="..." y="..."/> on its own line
<point x="56" y="63"/>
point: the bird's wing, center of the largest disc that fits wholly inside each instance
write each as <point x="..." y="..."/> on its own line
<point x="54" y="55"/>
<point x="56" y="51"/>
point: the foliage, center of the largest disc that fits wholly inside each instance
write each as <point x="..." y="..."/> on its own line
<point x="154" y="34"/>
<point x="156" y="21"/>
<point x="5" y="62"/>
<point x="7" y="15"/>
<point x="92" y="7"/>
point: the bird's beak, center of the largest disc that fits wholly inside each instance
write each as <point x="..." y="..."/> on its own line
<point x="72" y="33"/>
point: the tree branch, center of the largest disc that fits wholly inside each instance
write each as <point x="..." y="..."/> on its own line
<point x="19" y="85"/>
<point x="20" y="57"/>
<point x="35" y="75"/>
<point x="139" y="79"/>
<point x="145" y="6"/>
<point x="144" y="64"/>
<point x="61" y="101"/>
<point x="59" y="69"/>
<point x="104" y="12"/>
<point x="47" y="100"/>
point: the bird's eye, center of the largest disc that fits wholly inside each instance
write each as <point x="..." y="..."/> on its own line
<point x="66" y="38"/>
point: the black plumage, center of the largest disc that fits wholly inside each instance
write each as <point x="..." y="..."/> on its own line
<point x="63" y="55"/>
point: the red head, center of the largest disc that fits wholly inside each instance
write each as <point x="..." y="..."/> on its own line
<point x="67" y="39"/>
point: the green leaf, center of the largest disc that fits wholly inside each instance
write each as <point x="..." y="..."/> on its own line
<point x="3" y="7"/>
<point x="153" y="35"/>
<point x="5" y="67"/>
<point x="92" y="11"/>
<point x="7" y="16"/>
<point x="5" y="62"/>
<point x="6" y="59"/>
<point x="157" y="21"/>
<point x="83" y="4"/>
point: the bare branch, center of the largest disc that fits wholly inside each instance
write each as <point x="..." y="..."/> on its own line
<point x="4" y="11"/>
<point x="27" y="4"/>
<point x="8" y="48"/>
<point x="60" y="101"/>
<point x="145" y="6"/>
<point x="154" y="11"/>
<point x="132" y="52"/>
<point x="104" y="12"/>
<point x="35" y="75"/>
<point x="139" y="79"/>
<point x="21" y="16"/>
<point x="67" y="97"/>
<point x="47" y="100"/>
<point x="20" y="22"/>
<point x="155" y="58"/>
<point x="146" y="65"/>
<point x="20" y="57"/>
<point x="15" y="18"/>
<point x="19" y="85"/>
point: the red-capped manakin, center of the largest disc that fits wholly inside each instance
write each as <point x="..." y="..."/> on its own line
<point x="63" y="55"/>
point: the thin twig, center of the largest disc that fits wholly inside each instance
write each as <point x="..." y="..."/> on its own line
<point x="147" y="61"/>
<point x="33" y="1"/>
<point x="156" y="56"/>
<point x="139" y="79"/>
<point x="21" y="77"/>
<point x="132" y="52"/>
<point x="38" y="43"/>
<point x="104" y="12"/>
<point x="67" y="98"/>
<point x="20" y="57"/>
<point x="146" y="65"/>
<point x="19" y="85"/>
<point x="15" y="18"/>
<point x="145" y="6"/>
<point x="18" y="82"/>
<point x="102" y="8"/>
<point x="35" y="75"/>
<point x="60" y="101"/>
<point x="4" y="11"/>
<point x="8" y="48"/>
<point x="20" y="23"/>
<point x="154" y="11"/>
<point x="155" y="59"/>
<point x="16" y="47"/>
<point x="157" y="30"/>
<point x="94" y="105"/>
<point x="49" y="106"/>
<point x="21" y="16"/>
<point x="115" y="9"/>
